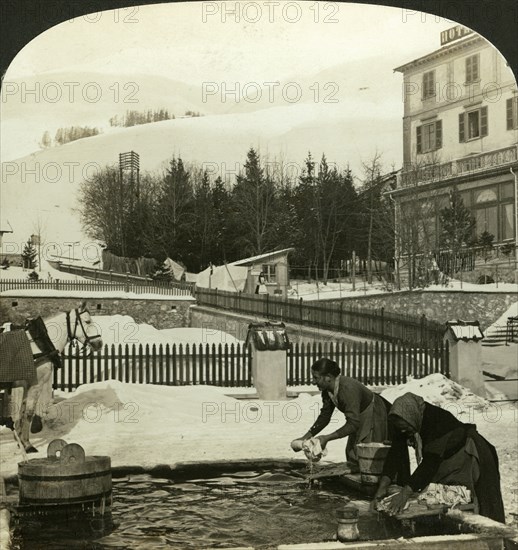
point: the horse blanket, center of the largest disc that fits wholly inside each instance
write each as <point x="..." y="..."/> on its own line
<point x="16" y="360"/>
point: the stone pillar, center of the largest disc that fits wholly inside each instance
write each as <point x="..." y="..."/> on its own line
<point x="269" y="374"/>
<point x="465" y="352"/>
<point x="269" y="345"/>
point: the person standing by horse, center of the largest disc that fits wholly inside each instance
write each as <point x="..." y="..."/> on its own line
<point x="365" y="413"/>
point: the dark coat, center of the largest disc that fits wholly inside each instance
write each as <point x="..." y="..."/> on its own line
<point x="443" y="436"/>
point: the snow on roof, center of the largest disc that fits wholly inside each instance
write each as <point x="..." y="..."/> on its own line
<point x="253" y="259"/>
<point x="5" y="226"/>
<point x="463" y="330"/>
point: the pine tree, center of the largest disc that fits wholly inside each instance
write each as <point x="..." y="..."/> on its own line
<point x="457" y="224"/>
<point x="253" y="198"/>
<point x="46" y="140"/>
<point x="485" y="242"/>
<point x="29" y="254"/>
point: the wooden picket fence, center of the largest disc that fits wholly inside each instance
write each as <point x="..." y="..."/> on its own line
<point x="97" y="286"/>
<point x="369" y="323"/>
<point x="373" y="363"/>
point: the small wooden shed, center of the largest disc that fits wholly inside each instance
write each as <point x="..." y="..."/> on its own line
<point x="274" y="268"/>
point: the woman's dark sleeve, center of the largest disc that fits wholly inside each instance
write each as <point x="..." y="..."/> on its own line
<point x="434" y="453"/>
<point x="397" y="455"/>
<point x="425" y="472"/>
<point x="326" y="412"/>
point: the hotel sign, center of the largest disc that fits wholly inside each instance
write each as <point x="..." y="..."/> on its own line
<point x="449" y="35"/>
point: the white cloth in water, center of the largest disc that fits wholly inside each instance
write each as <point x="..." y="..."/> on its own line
<point x="313" y="449"/>
<point x="450" y="495"/>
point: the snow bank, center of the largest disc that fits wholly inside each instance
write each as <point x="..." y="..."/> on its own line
<point x="122" y="329"/>
<point x="437" y="390"/>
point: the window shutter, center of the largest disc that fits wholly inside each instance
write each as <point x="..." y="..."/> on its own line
<point x="483" y="121"/>
<point x="461" y="128"/>
<point x="474" y="67"/>
<point x="468" y="69"/>
<point x="419" y="140"/>
<point x="509" y="113"/>
<point x="438" y="134"/>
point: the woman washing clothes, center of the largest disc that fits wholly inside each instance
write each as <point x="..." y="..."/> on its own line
<point x="365" y="413"/>
<point x="448" y="452"/>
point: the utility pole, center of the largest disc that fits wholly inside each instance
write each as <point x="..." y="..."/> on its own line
<point x="515" y="224"/>
<point x="128" y="161"/>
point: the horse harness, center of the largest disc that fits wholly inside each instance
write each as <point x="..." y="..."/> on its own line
<point x="40" y="336"/>
<point x="72" y="338"/>
<point x="38" y="332"/>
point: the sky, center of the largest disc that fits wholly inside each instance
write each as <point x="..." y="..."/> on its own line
<point x="341" y="56"/>
<point x="204" y="40"/>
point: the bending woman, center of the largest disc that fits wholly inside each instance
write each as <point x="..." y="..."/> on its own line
<point x="365" y="413"/>
<point x="447" y="451"/>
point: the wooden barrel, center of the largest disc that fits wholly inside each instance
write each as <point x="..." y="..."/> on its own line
<point x="70" y="478"/>
<point x="371" y="458"/>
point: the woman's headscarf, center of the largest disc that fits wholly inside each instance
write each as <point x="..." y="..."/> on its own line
<point x="410" y="408"/>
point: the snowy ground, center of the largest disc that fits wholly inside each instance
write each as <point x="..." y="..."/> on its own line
<point x="332" y="291"/>
<point x="148" y="425"/>
<point x="299" y="289"/>
<point x="46" y="272"/>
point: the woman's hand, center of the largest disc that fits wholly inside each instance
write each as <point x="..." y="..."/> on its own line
<point x="373" y="506"/>
<point x="296" y="444"/>
<point x="381" y="492"/>
<point x="398" y="501"/>
<point x="323" y="440"/>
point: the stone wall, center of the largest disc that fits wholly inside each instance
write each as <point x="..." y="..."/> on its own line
<point x="237" y="325"/>
<point x="166" y="313"/>
<point x="442" y="306"/>
<point x="485" y="307"/>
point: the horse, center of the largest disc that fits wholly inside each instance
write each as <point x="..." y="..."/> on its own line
<point x="48" y="339"/>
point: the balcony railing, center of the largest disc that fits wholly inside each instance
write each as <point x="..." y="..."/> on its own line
<point x="469" y="165"/>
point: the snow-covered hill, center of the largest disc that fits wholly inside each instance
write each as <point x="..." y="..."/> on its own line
<point x="44" y="184"/>
<point x="45" y="102"/>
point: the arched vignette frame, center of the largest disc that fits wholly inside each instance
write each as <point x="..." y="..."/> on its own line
<point x="23" y="20"/>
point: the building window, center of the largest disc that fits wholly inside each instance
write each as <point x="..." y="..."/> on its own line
<point x="472" y="69"/>
<point x="473" y="124"/>
<point x="428" y="84"/>
<point x="270" y="272"/>
<point x="507" y="221"/>
<point x="507" y="190"/>
<point x="429" y="137"/>
<point x="487" y="220"/>
<point x="512" y="113"/>
<point x="486" y="195"/>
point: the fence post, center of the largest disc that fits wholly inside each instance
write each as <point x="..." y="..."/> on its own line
<point x="382" y="323"/>
<point x="126" y="284"/>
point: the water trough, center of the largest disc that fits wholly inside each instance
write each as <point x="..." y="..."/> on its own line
<point x="226" y="489"/>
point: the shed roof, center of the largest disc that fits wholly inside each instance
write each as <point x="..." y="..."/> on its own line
<point x="5" y="226"/>
<point x="253" y="259"/>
